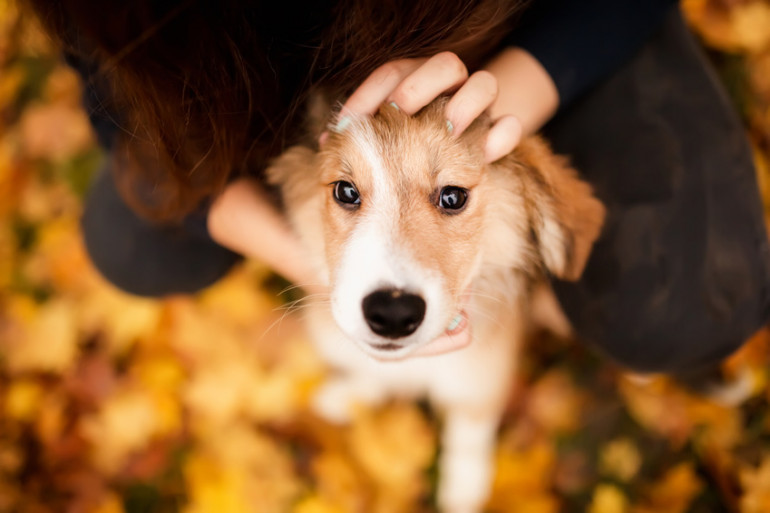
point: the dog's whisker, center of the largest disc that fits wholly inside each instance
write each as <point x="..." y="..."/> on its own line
<point x="304" y="286"/>
<point x="313" y="299"/>
<point x="483" y="314"/>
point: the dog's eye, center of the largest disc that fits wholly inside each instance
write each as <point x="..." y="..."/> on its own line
<point x="452" y="198"/>
<point x="346" y="194"/>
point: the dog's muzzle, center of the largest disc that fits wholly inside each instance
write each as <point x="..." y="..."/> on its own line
<point x="393" y="313"/>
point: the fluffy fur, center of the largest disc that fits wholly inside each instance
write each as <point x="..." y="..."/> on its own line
<point x="526" y="213"/>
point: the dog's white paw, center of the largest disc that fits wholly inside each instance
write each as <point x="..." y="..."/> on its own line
<point x="334" y="401"/>
<point x="465" y="482"/>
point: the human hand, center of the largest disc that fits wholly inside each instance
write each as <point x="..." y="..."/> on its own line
<point x="411" y="84"/>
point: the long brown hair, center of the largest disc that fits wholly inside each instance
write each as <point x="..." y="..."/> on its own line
<point x="211" y="88"/>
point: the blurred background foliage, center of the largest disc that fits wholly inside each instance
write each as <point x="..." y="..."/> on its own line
<point x="110" y="403"/>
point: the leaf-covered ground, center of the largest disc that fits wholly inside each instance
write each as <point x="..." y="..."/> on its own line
<point x="110" y="403"/>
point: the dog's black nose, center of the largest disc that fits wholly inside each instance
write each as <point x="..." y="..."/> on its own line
<point x="393" y="313"/>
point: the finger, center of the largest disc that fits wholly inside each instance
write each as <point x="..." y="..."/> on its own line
<point x="442" y="72"/>
<point x="502" y="138"/>
<point x="368" y="97"/>
<point x="474" y="97"/>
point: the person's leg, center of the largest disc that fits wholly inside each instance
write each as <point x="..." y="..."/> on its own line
<point x="680" y="277"/>
<point x="142" y="258"/>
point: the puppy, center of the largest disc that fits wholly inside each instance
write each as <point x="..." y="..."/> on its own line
<point x="420" y="242"/>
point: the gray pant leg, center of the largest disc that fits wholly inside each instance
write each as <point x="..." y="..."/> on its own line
<point x="142" y="258"/>
<point x="680" y="276"/>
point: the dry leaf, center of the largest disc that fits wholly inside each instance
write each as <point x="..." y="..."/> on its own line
<point x="608" y="499"/>
<point x="43" y="338"/>
<point x="555" y="402"/>
<point x="756" y="487"/>
<point x="523" y="479"/>
<point x="674" y="492"/>
<point x="620" y="459"/>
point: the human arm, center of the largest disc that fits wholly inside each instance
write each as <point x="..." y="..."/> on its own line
<point x="244" y="220"/>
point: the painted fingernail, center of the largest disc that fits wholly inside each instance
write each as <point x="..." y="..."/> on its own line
<point x="393" y="104"/>
<point x="449" y="126"/>
<point x="455" y="322"/>
<point x="342" y="124"/>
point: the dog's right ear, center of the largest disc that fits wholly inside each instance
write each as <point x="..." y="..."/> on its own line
<point x="290" y="172"/>
<point x="566" y="218"/>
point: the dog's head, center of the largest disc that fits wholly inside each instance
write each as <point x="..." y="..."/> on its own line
<point x="406" y="217"/>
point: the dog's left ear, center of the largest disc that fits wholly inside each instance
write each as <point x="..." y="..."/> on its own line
<point x="565" y="216"/>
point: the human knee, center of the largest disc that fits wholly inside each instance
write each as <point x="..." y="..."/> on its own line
<point x="675" y="345"/>
<point x="144" y="259"/>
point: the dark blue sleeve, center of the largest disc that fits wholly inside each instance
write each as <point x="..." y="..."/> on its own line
<point x="579" y="42"/>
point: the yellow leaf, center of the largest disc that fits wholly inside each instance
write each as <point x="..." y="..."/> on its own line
<point x="7" y="255"/>
<point x="46" y="338"/>
<point x="63" y="86"/>
<point x="338" y="481"/>
<point x="665" y="409"/>
<point x="555" y="402"/>
<point x="238" y="299"/>
<point x="121" y="319"/>
<point x="10" y="178"/>
<point x="763" y="174"/>
<point x="741" y="28"/>
<point x="240" y="470"/>
<point x="751" y="25"/>
<point x="11" y="80"/>
<point x="125" y="423"/>
<point x="674" y="492"/>
<point x="200" y="337"/>
<point x="22" y="399"/>
<point x="315" y="504"/>
<point x="523" y="479"/>
<point x="620" y="459"/>
<point x="274" y="397"/>
<point x="9" y="16"/>
<point x="219" y="393"/>
<point x="109" y="504"/>
<point x="58" y="258"/>
<point x="608" y="499"/>
<point x="394" y="445"/>
<point x="756" y="487"/>
<point x="213" y="488"/>
<point x="161" y="373"/>
<point x="52" y="418"/>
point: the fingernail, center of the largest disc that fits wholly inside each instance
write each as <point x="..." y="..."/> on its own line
<point x="455" y="322"/>
<point x="393" y="104"/>
<point x="322" y="139"/>
<point x="342" y="124"/>
<point x="449" y="126"/>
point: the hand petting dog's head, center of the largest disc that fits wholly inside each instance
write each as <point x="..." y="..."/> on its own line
<point x="408" y="216"/>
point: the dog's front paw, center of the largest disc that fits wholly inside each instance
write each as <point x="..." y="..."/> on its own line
<point x="335" y="399"/>
<point x="464" y="485"/>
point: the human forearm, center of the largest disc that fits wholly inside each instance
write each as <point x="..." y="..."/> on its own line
<point x="243" y="220"/>
<point x="526" y="90"/>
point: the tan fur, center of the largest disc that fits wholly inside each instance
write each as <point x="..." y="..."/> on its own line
<point x="525" y="213"/>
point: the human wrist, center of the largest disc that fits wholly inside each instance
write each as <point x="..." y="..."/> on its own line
<point x="526" y="90"/>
